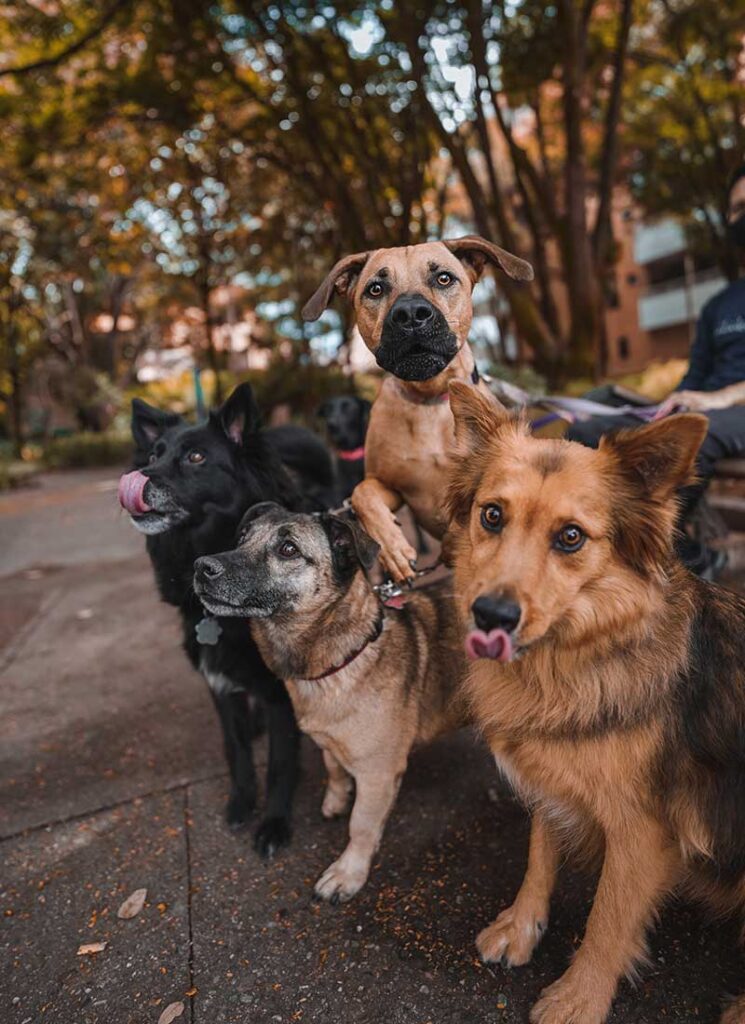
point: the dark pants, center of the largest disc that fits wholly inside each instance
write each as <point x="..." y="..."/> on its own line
<point x="725" y="439"/>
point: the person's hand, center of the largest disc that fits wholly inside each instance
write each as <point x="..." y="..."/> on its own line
<point x="690" y="401"/>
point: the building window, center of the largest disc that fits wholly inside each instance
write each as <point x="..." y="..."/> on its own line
<point x="623" y="347"/>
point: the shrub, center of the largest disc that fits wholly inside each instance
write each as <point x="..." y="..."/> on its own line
<point x="81" y="450"/>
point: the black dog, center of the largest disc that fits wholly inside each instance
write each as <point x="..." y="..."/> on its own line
<point x="346" y="418"/>
<point x="188" y="494"/>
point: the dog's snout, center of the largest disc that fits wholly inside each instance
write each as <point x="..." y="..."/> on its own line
<point x="496" y="613"/>
<point x="208" y="568"/>
<point x="412" y="312"/>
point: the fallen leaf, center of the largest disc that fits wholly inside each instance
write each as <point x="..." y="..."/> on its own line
<point x="91" y="947"/>
<point x="191" y="992"/>
<point x="171" y="1012"/>
<point x="132" y="905"/>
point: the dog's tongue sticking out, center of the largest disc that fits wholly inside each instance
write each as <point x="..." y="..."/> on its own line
<point x="131" y="491"/>
<point x="496" y="644"/>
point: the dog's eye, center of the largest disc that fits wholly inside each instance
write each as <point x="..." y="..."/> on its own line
<point x="491" y="517"/>
<point x="195" y="457"/>
<point x="374" y="290"/>
<point x="287" y="549"/>
<point x="444" y="279"/>
<point x="570" y="538"/>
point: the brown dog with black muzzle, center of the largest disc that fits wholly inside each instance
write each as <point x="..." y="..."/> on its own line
<point x="413" y="309"/>
<point x="367" y="682"/>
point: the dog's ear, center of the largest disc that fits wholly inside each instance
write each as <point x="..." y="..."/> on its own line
<point x="475" y="252"/>
<point x="339" y="278"/>
<point x="239" y="414"/>
<point x="350" y="546"/>
<point x="478" y="419"/>
<point x="477" y="416"/>
<point x="148" y="423"/>
<point x="659" y="458"/>
<point x="262" y="508"/>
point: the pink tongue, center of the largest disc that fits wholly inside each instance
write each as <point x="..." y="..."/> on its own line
<point x="495" y="644"/>
<point x="131" y="490"/>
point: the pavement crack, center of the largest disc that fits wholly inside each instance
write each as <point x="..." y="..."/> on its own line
<point x="187" y="839"/>
<point x="91" y="812"/>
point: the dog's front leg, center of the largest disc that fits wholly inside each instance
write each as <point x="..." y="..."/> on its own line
<point x="639" y="868"/>
<point x="238" y="731"/>
<point x="374" y="505"/>
<point x="513" y="936"/>
<point x="281" y="778"/>
<point x="374" y="799"/>
<point x="338" y="788"/>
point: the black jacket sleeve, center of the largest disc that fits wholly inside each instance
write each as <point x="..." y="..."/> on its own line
<point x="701" y="359"/>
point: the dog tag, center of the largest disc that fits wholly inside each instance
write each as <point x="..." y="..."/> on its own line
<point x="208" y="631"/>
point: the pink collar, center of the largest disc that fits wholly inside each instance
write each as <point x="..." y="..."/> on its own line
<point x="352" y="454"/>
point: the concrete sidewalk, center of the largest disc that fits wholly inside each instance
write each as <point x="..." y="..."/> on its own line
<point x="113" y="779"/>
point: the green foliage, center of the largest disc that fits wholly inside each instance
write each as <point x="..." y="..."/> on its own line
<point x="85" y="450"/>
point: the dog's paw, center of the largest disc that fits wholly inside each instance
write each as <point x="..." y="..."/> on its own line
<point x="510" y="939"/>
<point x="340" y="882"/>
<point x="397" y="556"/>
<point x="240" y="808"/>
<point x="271" y="835"/>
<point x="336" y="801"/>
<point x="573" y="999"/>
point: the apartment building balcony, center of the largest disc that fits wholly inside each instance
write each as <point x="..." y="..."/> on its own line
<point x="658" y="241"/>
<point x="679" y="300"/>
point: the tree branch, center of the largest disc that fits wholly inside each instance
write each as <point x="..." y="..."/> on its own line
<point x="73" y="48"/>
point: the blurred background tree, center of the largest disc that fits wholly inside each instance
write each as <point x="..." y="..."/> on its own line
<point x="159" y="152"/>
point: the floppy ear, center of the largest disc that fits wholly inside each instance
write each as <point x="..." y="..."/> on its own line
<point x="477" y="416"/>
<point x="475" y="252"/>
<point x="659" y="458"/>
<point x="351" y="547"/>
<point x="239" y="414"/>
<point x="340" y="277"/>
<point x="148" y="423"/>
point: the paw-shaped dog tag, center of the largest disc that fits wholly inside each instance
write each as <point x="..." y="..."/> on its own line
<point x="208" y="631"/>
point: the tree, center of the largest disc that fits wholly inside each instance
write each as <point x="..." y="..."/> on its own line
<point x="686" y="123"/>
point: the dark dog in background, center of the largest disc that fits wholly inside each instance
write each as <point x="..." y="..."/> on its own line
<point x="188" y="494"/>
<point x="345" y="418"/>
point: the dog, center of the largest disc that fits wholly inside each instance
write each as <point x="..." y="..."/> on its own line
<point x="345" y="418"/>
<point x="607" y="679"/>
<point x="413" y="309"/>
<point x="367" y="682"/>
<point x="187" y="494"/>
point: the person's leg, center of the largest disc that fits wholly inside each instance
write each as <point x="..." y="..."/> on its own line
<point x="725" y="439"/>
<point x="589" y="432"/>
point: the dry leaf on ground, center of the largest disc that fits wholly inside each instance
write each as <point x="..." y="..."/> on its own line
<point x="132" y="905"/>
<point x="91" y="947"/>
<point x="171" y="1012"/>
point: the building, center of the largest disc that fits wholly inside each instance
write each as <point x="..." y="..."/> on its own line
<point x="659" y="291"/>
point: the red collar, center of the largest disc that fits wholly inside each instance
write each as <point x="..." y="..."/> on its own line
<point x="352" y="454"/>
<point x="355" y="654"/>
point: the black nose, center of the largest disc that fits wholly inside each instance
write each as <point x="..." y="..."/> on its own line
<point x="208" y="568"/>
<point x="495" y="613"/>
<point x="411" y="312"/>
